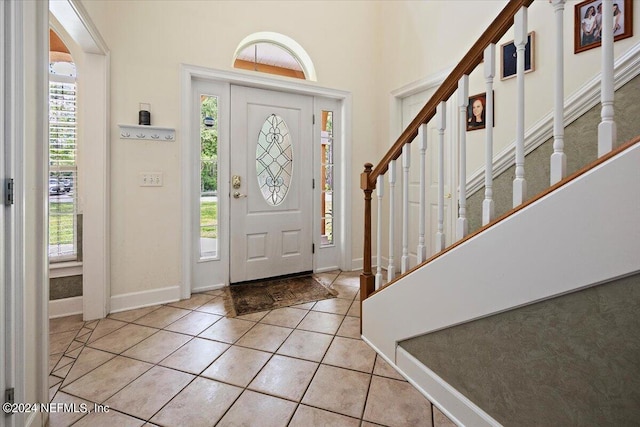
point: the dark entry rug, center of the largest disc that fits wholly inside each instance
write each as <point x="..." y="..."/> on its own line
<point x="270" y="294"/>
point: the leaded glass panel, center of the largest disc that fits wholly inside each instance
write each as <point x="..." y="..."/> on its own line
<point x="326" y="170"/>
<point x="274" y="160"/>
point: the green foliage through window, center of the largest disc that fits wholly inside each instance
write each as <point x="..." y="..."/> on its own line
<point x="209" y="145"/>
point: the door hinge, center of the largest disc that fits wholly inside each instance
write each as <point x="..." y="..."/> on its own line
<point x="313" y="119"/>
<point x="8" y="200"/>
<point x="313" y="183"/>
<point x="313" y="248"/>
<point x="9" y="396"/>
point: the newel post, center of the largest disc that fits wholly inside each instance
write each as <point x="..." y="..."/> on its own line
<point x="367" y="279"/>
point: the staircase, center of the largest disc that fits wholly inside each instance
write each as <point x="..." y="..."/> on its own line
<point x="532" y="318"/>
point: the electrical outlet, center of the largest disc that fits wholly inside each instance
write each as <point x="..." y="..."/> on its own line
<point x="150" y="179"/>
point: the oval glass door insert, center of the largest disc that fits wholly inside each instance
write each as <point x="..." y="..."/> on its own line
<point x="274" y="160"/>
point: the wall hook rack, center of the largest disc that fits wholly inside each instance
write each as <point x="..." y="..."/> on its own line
<point x="151" y="133"/>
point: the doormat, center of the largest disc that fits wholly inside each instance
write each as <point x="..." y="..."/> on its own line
<point x="270" y="294"/>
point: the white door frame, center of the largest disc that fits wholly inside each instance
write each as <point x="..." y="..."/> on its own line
<point x="94" y="164"/>
<point x="8" y="331"/>
<point x="24" y="263"/>
<point x="190" y="72"/>
<point x="395" y="129"/>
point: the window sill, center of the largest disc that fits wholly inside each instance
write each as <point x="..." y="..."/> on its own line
<point x="65" y="269"/>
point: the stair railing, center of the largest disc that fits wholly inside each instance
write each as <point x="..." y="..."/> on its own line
<point x="514" y="14"/>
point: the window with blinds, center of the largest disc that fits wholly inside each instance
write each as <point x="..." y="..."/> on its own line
<point x="63" y="228"/>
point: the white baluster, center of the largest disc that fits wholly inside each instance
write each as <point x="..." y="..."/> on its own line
<point x="519" y="183"/>
<point x="406" y="163"/>
<point x="380" y="194"/>
<point x="488" y="209"/>
<point x="463" y="101"/>
<point x="422" y="248"/>
<point x="441" y="118"/>
<point x="391" y="268"/>
<point x="607" y="132"/>
<point x="558" y="158"/>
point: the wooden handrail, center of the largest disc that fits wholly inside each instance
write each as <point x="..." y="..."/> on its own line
<point x="469" y="62"/>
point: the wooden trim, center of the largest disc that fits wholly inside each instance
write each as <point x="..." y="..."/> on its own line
<point x="513" y="211"/>
<point x="367" y="280"/>
<point x="469" y="62"/>
<point x="271" y="69"/>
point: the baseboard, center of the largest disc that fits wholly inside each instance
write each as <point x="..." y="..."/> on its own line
<point x="391" y="363"/>
<point x="35" y="420"/>
<point x="411" y="364"/>
<point x="326" y="269"/>
<point x="208" y="288"/>
<point x="625" y="68"/>
<point x="141" y="299"/>
<point x="65" y="307"/>
<point x="357" y="264"/>
<point x="449" y="400"/>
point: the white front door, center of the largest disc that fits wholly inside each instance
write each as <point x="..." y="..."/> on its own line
<point x="411" y="105"/>
<point x="271" y="183"/>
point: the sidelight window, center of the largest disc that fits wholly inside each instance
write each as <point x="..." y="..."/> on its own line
<point x="327" y="182"/>
<point x="208" y="176"/>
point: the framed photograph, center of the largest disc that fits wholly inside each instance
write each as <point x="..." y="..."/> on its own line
<point x="476" y="111"/>
<point x="588" y="23"/>
<point x="509" y="61"/>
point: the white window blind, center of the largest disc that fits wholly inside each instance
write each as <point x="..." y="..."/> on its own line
<point x="62" y="169"/>
<point x="62" y="125"/>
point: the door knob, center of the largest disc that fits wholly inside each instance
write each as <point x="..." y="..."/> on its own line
<point x="237" y="195"/>
<point x="448" y="196"/>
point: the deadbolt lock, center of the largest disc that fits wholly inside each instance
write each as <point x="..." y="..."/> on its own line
<point x="236" y="182"/>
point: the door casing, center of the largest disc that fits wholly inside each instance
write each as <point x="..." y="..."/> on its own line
<point x="451" y="168"/>
<point x="94" y="158"/>
<point x="189" y="75"/>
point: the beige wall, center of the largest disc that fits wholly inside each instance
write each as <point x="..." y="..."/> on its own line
<point x="148" y="41"/>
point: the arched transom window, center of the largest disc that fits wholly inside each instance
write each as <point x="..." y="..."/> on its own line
<point x="274" y="53"/>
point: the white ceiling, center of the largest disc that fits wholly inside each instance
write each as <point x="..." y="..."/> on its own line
<point x="269" y="54"/>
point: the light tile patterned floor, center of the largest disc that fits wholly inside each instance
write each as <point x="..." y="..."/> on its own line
<point x="189" y="364"/>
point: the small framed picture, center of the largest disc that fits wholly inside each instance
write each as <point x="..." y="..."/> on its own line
<point x="476" y="111"/>
<point x="588" y="23"/>
<point x="509" y="60"/>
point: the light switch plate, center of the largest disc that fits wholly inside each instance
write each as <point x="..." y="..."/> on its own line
<point x="150" y="179"/>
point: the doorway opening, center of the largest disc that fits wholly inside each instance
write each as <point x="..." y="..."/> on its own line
<point x="64" y="217"/>
<point x="82" y="169"/>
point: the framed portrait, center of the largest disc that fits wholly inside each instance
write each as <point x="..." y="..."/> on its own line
<point x="476" y="111"/>
<point x="588" y="23"/>
<point x="509" y="61"/>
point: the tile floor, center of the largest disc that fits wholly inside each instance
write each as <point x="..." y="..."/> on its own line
<point x="191" y="364"/>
